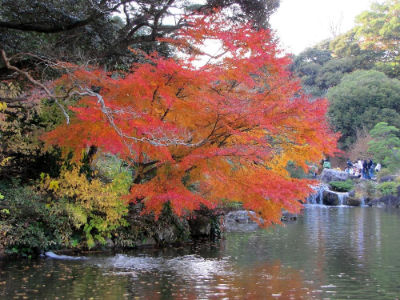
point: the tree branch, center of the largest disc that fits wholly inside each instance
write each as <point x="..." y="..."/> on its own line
<point x="35" y="82"/>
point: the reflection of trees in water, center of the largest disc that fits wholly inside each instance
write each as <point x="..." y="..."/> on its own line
<point x="263" y="282"/>
<point x="357" y="233"/>
<point x="48" y="279"/>
<point x="354" y="251"/>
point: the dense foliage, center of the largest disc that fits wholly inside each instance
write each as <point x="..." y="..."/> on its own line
<point x="28" y="224"/>
<point x="362" y="99"/>
<point x="388" y="188"/>
<point x="147" y="123"/>
<point x="100" y="31"/>
<point x="196" y="136"/>
<point x="371" y="45"/>
<point x="385" y="145"/>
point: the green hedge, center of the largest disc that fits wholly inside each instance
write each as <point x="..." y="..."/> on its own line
<point x="341" y="186"/>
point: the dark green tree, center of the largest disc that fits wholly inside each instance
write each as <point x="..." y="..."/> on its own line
<point x="307" y="66"/>
<point x="385" y="145"/>
<point x="100" y="31"/>
<point x="319" y="70"/>
<point x="379" y="30"/>
<point x="362" y="99"/>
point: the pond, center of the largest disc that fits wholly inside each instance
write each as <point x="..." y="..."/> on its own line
<point x="328" y="253"/>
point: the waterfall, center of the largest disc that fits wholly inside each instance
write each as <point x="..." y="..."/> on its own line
<point x="342" y="197"/>
<point x="317" y="197"/>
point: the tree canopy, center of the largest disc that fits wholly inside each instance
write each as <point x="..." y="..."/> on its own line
<point x="362" y="99"/>
<point x="379" y="29"/>
<point x="385" y="145"/>
<point x="373" y="44"/>
<point x="204" y="135"/>
<point x="100" y="31"/>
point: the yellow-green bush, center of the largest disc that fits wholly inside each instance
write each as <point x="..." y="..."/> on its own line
<point x="388" y="188"/>
<point x="92" y="205"/>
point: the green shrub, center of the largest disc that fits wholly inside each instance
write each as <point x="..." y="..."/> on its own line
<point x="341" y="186"/>
<point x="388" y="188"/>
<point x="28" y="224"/>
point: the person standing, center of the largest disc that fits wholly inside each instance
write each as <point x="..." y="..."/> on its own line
<point x="359" y="166"/>
<point x="365" y="169"/>
<point x="327" y="164"/>
<point x="371" y="169"/>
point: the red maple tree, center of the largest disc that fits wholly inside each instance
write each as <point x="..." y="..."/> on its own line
<point x="204" y="133"/>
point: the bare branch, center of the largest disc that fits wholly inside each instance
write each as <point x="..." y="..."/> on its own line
<point x="35" y="82"/>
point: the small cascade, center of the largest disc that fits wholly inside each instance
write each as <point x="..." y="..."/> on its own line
<point x="362" y="201"/>
<point x="317" y="197"/>
<point x="342" y="197"/>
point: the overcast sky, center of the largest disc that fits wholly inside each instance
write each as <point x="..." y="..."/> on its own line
<point x="303" y="23"/>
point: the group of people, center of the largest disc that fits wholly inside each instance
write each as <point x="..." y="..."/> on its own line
<point x="360" y="168"/>
<point x="363" y="168"/>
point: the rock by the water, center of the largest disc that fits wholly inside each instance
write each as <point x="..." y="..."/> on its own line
<point x="329" y="175"/>
<point x="330" y="198"/>
<point x="241" y="221"/>
<point x="353" y="201"/>
<point x="386" y="201"/>
<point x="166" y="235"/>
<point x="287" y="216"/>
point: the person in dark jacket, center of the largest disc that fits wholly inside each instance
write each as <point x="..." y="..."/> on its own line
<point x="365" y="170"/>
<point x="371" y="168"/>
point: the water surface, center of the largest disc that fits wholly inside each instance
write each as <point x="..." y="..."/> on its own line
<point x="329" y="253"/>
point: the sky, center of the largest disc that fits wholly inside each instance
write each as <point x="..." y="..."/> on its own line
<point x="303" y="23"/>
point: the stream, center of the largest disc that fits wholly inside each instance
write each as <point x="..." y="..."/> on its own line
<point x="328" y="253"/>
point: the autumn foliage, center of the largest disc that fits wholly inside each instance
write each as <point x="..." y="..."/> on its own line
<point x="204" y="132"/>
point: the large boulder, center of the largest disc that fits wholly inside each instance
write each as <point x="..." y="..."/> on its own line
<point x="288" y="217"/>
<point x="329" y="175"/>
<point x="330" y="198"/>
<point x="353" y="201"/>
<point x="388" y="178"/>
<point x="386" y="201"/>
<point x="241" y="221"/>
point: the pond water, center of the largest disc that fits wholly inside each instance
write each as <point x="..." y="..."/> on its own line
<point x="328" y="253"/>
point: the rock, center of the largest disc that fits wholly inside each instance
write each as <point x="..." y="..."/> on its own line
<point x="166" y="235"/>
<point x="109" y="243"/>
<point x="353" y="201"/>
<point x="330" y="198"/>
<point x="329" y="175"/>
<point x="241" y="220"/>
<point x="287" y="216"/>
<point x="146" y="242"/>
<point x="388" y="178"/>
<point x="386" y="201"/>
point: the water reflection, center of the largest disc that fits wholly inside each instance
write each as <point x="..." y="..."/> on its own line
<point x="332" y="253"/>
